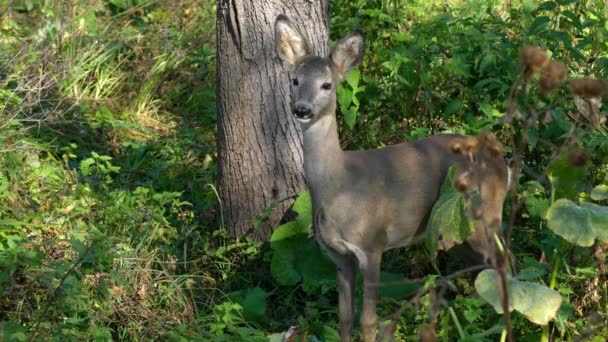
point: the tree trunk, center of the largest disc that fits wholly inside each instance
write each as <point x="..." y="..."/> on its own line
<point x="260" y="158"/>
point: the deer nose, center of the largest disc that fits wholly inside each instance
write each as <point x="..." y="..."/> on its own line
<point x="302" y="111"/>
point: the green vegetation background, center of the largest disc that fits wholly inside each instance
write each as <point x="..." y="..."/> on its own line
<point x="107" y="168"/>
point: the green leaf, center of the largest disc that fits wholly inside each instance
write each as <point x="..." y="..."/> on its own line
<point x="345" y="97"/>
<point x="303" y="206"/>
<point x="452" y="107"/>
<point x="317" y="270"/>
<point x="276" y="337"/>
<point x="546" y="6"/>
<point x="85" y="166"/>
<point x="330" y="334"/>
<point x="532" y="272"/>
<point x="600" y="192"/>
<point x="253" y="302"/>
<point x="599" y="219"/>
<point x="580" y="225"/>
<point x="78" y="246"/>
<point x="564" y="177"/>
<point x="288" y="230"/>
<point x="486" y="61"/>
<point x="350" y="117"/>
<point x="537" y="206"/>
<point x="282" y="265"/>
<point x="537" y="302"/>
<point x="353" y="80"/>
<point x="573" y="19"/>
<point x="538" y="24"/>
<point x="447" y="219"/>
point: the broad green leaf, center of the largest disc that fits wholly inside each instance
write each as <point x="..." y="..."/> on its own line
<point x="600" y="192"/>
<point x="350" y="117"/>
<point x="580" y="225"/>
<point x="599" y="219"/>
<point x="288" y="230"/>
<point x="317" y="270"/>
<point x="447" y="218"/>
<point x="283" y="263"/>
<point x="303" y="206"/>
<point x="253" y="301"/>
<point x="537" y="302"/>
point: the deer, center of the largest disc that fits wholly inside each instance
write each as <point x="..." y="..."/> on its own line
<point x="366" y="202"/>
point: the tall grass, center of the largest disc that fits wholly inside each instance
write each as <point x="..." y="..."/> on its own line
<point x="103" y="208"/>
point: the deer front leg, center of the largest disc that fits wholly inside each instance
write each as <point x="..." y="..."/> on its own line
<point x="345" y="273"/>
<point x="371" y="281"/>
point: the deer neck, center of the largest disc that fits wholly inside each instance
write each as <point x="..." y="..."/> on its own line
<point x="323" y="157"/>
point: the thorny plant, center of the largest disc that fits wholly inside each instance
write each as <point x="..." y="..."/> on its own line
<point x="550" y="77"/>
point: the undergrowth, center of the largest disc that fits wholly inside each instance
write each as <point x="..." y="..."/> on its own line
<point x="109" y="215"/>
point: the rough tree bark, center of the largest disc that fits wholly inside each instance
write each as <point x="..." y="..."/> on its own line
<point x="259" y="141"/>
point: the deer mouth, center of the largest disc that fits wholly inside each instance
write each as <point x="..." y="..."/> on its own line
<point x="304" y="118"/>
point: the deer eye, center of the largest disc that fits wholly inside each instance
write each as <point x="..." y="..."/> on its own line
<point x="326" y="86"/>
<point x="295" y="82"/>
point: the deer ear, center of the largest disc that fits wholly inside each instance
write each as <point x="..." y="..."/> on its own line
<point x="348" y="52"/>
<point x="290" y="43"/>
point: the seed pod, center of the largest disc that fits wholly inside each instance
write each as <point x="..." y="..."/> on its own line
<point x="588" y="87"/>
<point x="548" y="85"/>
<point x="532" y="59"/>
<point x="555" y="70"/>
<point x="578" y="157"/>
<point x="554" y="74"/>
<point x="496" y="149"/>
<point x="471" y="145"/>
<point x="462" y="182"/>
<point x="456" y="146"/>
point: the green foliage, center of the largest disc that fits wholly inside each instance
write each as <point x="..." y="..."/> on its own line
<point x="447" y="220"/>
<point x="600" y="192"/>
<point x="347" y="97"/>
<point x="564" y="178"/>
<point x="579" y="224"/>
<point x="97" y="223"/>
<point x="297" y="257"/>
<point x="535" y="301"/>
<point x="107" y="128"/>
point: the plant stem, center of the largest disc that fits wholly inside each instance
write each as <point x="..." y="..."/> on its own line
<point x="455" y="319"/>
<point x="552" y="283"/>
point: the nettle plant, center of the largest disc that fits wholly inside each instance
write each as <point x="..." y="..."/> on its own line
<point x="574" y="212"/>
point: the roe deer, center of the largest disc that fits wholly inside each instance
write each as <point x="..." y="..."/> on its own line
<point x="365" y="202"/>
